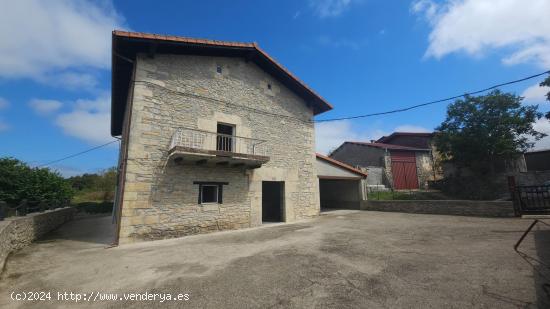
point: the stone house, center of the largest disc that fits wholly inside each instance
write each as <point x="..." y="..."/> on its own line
<point x="214" y="135"/>
<point x="402" y="160"/>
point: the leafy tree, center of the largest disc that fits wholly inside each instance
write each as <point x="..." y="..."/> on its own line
<point x="479" y="131"/>
<point x="18" y="181"/>
<point x="95" y="187"/>
<point x="546" y="83"/>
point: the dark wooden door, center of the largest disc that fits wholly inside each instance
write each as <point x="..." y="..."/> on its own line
<point x="403" y="167"/>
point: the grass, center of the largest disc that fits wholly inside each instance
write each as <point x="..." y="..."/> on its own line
<point x="92" y="202"/>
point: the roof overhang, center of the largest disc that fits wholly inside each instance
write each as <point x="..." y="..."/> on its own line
<point x="360" y="174"/>
<point x="126" y="45"/>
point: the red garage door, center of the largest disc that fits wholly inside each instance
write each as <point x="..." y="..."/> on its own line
<point x="403" y="167"/>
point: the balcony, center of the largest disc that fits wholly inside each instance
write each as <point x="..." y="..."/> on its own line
<point x="192" y="146"/>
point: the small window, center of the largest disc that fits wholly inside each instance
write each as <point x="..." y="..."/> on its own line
<point x="269" y="86"/>
<point x="219" y="69"/>
<point x="209" y="194"/>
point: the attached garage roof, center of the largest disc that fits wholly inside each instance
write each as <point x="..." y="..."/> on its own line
<point x="340" y="165"/>
<point x="126" y="45"/>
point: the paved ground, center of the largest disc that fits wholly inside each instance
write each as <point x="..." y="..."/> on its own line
<point x="344" y="259"/>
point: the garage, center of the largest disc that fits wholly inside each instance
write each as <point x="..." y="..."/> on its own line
<point x="341" y="186"/>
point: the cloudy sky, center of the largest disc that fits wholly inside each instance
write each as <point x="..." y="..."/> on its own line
<point x="363" y="56"/>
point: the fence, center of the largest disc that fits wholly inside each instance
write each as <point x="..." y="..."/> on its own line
<point x="533" y="200"/>
<point x="211" y="141"/>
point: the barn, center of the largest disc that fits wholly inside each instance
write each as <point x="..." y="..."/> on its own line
<point x="399" y="167"/>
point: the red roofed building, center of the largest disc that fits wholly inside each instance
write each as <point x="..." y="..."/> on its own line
<point x="402" y="160"/>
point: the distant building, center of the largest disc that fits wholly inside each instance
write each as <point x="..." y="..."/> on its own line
<point x="538" y="160"/>
<point x="402" y="160"/>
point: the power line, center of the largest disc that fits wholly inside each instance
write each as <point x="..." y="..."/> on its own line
<point x="322" y="120"/>
<point x="77" y="154"/>
<point x="436" y="101"/>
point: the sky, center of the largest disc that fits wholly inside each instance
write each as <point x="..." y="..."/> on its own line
<point x="363" y="56"/>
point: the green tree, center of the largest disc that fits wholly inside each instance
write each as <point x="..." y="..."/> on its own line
<point x="18" y="181"/>
<point x="546" y="83"/>
<point x="479" y="131"/>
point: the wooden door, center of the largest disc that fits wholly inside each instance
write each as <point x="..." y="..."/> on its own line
<point x="403" y="167"/>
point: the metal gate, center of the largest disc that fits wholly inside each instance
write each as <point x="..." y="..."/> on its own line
<point x="403" y="167"/>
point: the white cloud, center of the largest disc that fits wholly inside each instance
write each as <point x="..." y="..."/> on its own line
<point x="542" y="125"/>
<point x="329" y="8"/>
<point x="329" y="135"/>
<point x="89" y="120"/>
<point x="411" y="128"/>
<point x="70" y="80"/>
<point x="535" y="94"/>
<point x="518" y="28"/>
<point x="44" y="40"/>
<point x="4" y="103"/>
<point x="45" y="107"/>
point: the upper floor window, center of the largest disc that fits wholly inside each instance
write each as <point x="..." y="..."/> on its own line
<point x="219" y="69"/>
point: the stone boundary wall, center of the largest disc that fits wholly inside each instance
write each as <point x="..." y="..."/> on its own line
<point x="444" y="207"/>
<point x="18" y="232"/>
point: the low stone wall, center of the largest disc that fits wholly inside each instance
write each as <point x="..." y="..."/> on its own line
<point x="18" y="232"/>
<point x="456" y="207"/>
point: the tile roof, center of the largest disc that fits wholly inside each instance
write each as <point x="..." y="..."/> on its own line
<point x="341" y="164"/>
<point x="385" y="139"/>
<point x="126" y="44"/>
<point x="388" y="146"/>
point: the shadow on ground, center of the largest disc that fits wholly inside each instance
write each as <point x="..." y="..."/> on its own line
<point x="97" y="229"/>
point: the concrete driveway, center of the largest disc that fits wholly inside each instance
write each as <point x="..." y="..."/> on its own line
<point x="343" y="259"/>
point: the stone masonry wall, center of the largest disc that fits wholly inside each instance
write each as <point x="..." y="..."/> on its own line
<point x="424" y="168"/>
<point x="457" y="208"/>
<point x="19" y="232"/>
<point x="160" y="199"/>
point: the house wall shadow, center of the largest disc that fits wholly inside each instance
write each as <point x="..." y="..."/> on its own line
<point x="98" y="229"/>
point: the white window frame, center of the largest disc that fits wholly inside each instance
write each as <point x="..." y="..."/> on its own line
<point x="217" y="190"/>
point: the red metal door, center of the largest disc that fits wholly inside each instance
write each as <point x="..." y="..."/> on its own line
<point x="403" y="167"/>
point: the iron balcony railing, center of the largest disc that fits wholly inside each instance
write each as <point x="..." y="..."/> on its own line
<point x="211" y="141"/>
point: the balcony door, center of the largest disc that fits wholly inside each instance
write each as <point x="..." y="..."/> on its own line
<point x="225" y="140"/>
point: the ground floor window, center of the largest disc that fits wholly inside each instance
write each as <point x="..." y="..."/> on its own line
<point x="210" y="192"/>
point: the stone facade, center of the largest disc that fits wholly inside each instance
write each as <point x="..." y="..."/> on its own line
<point x="18" y="232"/>
<point x="172" y="91"/>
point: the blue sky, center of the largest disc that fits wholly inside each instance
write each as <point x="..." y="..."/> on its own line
<point x="363" y="56"/>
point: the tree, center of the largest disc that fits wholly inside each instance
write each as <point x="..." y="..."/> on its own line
<point x="479" y="131"/>
<point x="546" y="83"/>
<point x="18" y="181"/>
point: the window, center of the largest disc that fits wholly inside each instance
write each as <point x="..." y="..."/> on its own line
<point x="269" y="86"/>
<point x="209" y="194"/>
<point x="219" y="69"/>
